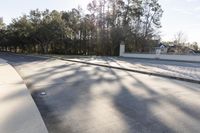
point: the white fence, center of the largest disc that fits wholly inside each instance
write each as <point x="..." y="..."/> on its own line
<point x="192" y="58"/>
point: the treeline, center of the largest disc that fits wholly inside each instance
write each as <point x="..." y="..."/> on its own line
<point x="99" y="32"/>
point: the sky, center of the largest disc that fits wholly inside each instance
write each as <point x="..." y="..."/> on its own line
<point x="179" y="15"/>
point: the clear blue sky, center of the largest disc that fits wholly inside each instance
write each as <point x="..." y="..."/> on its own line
<point x="179" y="15"/>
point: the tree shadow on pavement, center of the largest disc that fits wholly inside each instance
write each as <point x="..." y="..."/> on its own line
<point x="86" y="99"/>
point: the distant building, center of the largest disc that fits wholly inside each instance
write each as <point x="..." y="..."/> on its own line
<point x="161" y="49"/>
<point x="173" y="49"/>
<point x="177" y="49"/>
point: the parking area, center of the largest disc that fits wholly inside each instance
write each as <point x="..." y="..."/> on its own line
<point x="83" y="98"/>
<point x="180" y="69"/>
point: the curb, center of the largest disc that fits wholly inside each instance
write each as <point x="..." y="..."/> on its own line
<point x="18" y="113"/>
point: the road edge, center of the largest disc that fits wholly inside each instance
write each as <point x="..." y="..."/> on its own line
<point x="19" y="112"/>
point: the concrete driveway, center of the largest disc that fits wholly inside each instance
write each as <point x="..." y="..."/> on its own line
<point x="89" y="99"/>
<point x="185" y="70"/>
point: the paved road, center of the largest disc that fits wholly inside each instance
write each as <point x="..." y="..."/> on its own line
<point x="87" y="99"/>
<point x="184" y="70"/>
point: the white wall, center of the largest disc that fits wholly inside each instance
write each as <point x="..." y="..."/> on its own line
<point x="121" y="50"/>
<point x="160" y="56"/>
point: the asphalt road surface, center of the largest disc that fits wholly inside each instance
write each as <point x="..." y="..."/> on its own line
<point x="82" y="98"/>
<point x="185" y="70"/>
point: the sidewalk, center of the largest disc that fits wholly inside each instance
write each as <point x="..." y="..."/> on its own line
<point x="18" y="112"/>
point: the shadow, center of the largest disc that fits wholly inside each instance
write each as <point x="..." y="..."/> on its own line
<point x="179" y="69"/>
<point x="18" y="110"/>
<point x="86" y="99"/>
<point x="139" y="108"/>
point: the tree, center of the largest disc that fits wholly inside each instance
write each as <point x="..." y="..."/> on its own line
<point x="99" y="32"/>
<point x="180" y="38"/>
<point x="2" y="25"/>
<point x="195" y="46"/>
<point x="141" y="21"/>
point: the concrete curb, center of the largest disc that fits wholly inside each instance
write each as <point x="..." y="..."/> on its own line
<point x="18" y="111"/>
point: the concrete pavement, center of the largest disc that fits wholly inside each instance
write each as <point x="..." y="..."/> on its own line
<point x="18" y="112"/>
<point x="186" y="71"/>
<point x="85" y="99"/>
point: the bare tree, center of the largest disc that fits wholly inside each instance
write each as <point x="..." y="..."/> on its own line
<point x="195" y="46"/>
<point x="180" y="38"/>
<point x="2" y="25"/>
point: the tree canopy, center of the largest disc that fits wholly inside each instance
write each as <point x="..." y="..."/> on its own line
<point x="109" y="22"/>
